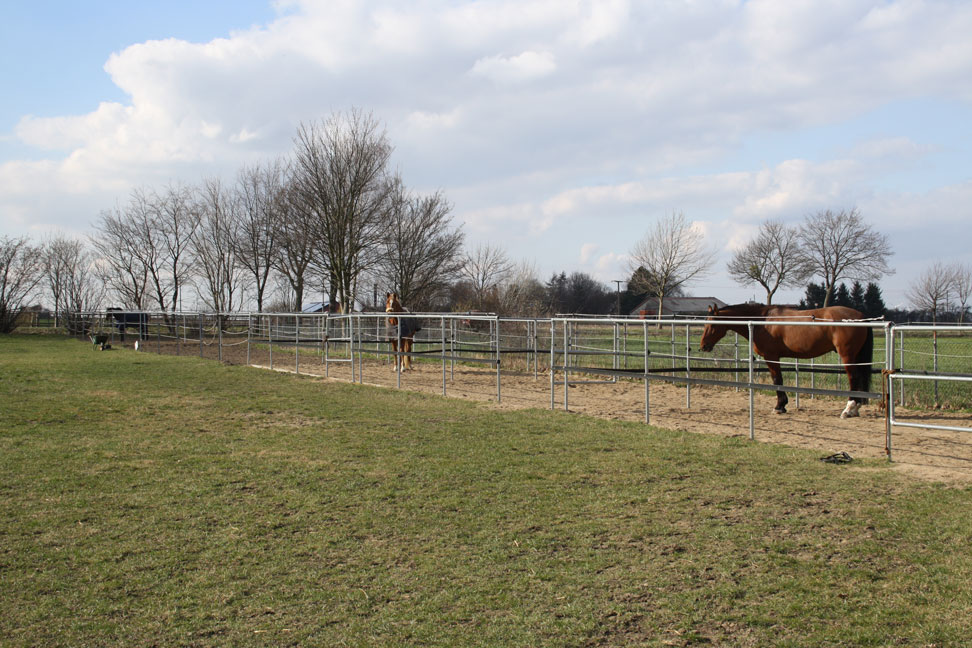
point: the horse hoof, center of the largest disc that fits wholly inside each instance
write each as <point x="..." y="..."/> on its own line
<point x="780" y="410"/>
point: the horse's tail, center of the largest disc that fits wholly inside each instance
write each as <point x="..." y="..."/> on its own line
<point x="862" y="363"/>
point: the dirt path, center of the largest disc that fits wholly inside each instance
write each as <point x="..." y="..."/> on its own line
<point x="927" y="454"/>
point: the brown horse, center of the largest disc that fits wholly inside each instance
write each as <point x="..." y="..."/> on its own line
<point x="855" y="345"/>
<point x="400" y="328"/>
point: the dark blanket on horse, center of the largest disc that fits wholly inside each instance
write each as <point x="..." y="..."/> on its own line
<point x="410" y="326"/>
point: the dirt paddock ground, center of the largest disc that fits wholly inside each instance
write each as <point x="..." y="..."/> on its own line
<point x="934" y="455"/>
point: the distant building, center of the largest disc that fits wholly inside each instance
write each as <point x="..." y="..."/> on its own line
<point x="676" y="307"/>
<point x="321" y="307"/>
<point x="316" y="307"/>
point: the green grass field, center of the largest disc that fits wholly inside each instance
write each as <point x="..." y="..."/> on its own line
<point x="159" y="500"/>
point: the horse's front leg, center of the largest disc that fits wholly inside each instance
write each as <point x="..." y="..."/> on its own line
<point x="777" y="374"/>
<point x="395" y="358"/>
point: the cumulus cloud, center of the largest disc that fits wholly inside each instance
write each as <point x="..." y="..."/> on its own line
<point x="587" y="251"/>
<point x="567" y="121"/>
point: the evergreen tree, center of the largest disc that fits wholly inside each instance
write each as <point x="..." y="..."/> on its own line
<point x="814" y="297"/>
<point x="556" y="289"/>
<point x="857" y="296"/>
<point x="637" y="290"/>
<point x="873" y="301"/>
<point x="842" y="296"/>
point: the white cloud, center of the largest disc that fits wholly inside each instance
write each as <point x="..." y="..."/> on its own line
<point x="587" y="251"/>
<point x="515" y="69"/>
<point x="573" y="123"/>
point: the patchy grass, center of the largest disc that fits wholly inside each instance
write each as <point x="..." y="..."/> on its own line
<point x="159" y="500"/>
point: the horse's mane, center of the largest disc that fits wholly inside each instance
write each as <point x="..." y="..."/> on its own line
<point x="747" y="309"/>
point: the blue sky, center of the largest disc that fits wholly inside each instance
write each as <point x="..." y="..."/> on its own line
<point x="559" y="130"/>
<point x="54" y="52"/>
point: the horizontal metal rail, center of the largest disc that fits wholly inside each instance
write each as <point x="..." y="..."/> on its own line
<point x="641" y="375"/>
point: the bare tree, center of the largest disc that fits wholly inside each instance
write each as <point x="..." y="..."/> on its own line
<point x="260" y="190"/>
<point x="341" y="176"/>
<point x="929" y="291"/>
<point x="20" y="272"/>
<point x="295" y="255"/>
<point x="212" y="247"/>
<point x="143" y="246"/>
<point x="57" y="253"/>
<point x="120" y="265"/>
<point x="421" y="251"/>
<point x="69" y="266"/>
<point x="962" y="283"/>
<point x="772" y="259"/>
<point x="485" y="268"/>
<point x="522" y="293"/>
<point x="169" y="235"/>
<point x="673" y="253"/>
<point x="840" y="245"/>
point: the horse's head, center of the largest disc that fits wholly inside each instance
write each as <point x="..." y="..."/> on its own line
<point x="392" y="305"/>
<point x="713" y="332"/>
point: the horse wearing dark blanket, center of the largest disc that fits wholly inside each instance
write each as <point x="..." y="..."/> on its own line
<point x="400" y="329"/>
<point x="125" y="319"/>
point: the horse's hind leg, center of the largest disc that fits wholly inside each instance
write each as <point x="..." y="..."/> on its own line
<point x="853" y="406"/>
<point x="777" y="374"/>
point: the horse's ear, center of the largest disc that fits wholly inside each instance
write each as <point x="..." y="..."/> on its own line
<point x="710" y="309"/>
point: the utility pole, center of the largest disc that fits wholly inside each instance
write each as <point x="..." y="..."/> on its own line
<point x="619" y="282"/>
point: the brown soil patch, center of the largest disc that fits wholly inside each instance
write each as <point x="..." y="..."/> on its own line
<point x="816" y="424"/>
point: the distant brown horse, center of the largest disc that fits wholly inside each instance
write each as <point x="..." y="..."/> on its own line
<point x="400" y="328"/>
<point x="855" y="345"/>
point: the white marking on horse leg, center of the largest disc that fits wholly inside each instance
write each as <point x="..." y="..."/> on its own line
<point x="851" y="410"/>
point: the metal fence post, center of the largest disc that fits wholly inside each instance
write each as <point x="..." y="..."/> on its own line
<point x="499" y="361"/>
<point x="752" y="425"/>
<point x="813" y="379"/>
<point x="327" y="346"/>
<point x="647" y="381"/>
<point x="674" y="364"/>
<point x="615" y="364"/>
<point x="688" y="370"/>
<point x="796" y="363"/>
<point x="901" y="397"/>
<point x="553" y="371"/>
<point x="735" y="364"/>
<point x="357" y="324"/>
<point x="442" y="336"/>
<point x="935" y="363"/>
<point x="566" y="355"/>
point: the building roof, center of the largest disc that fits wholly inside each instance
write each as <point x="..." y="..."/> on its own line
<point x="677" y="306"/>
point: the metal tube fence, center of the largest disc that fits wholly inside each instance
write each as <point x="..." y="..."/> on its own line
<point x="923" y="366"/>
